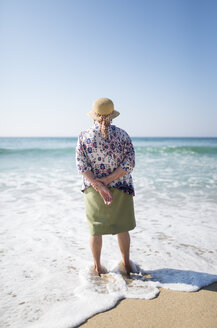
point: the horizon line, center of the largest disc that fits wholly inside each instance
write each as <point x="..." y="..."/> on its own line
<point x="130" y="136"/>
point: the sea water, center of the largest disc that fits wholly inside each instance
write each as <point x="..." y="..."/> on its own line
<point x="47" y="278"/>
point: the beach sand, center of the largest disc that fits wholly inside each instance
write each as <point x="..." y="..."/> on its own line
<point x="170" y="309"/>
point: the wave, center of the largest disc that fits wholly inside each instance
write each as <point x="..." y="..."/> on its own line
<point x="138" y="149"/>
<point x="177" y="149"/>
<point x="32" y="151"/>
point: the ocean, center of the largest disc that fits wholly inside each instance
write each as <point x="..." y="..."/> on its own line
<point x="46" y="272"/>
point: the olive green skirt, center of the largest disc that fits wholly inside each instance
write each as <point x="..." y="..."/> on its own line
<point x="109" y="219"/>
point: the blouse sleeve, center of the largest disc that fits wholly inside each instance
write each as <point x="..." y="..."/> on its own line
<point x="129" y="161"/>
<point x="81" y="157"/>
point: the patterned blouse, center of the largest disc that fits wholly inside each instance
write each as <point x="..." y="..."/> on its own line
<point x="104" y="155"/>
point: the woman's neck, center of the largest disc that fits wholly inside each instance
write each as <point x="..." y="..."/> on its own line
<point x="98" y="124"/>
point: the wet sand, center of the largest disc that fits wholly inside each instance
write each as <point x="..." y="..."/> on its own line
<point x="170" y="309"/>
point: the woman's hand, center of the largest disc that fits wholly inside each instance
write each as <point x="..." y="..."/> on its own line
<point x="103" y="180"/>
<point x="103" y="190"/>
<point x="116" y="174"/>
<point x="96" y="184"/>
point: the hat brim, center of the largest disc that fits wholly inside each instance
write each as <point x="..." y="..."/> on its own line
<point x="115" y="114"/>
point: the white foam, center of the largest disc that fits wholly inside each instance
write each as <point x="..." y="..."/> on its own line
<point x="46" y="264"/>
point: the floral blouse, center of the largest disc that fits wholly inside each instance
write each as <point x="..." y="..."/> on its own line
<point x="104" y="155"/>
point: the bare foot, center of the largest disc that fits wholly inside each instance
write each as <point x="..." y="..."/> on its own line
<point x="128" y="267"/>
<point x="98" y="269"/>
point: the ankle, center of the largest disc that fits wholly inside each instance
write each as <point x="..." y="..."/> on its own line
<point x="98" y="268"/>
<point x="128" y="267"/>
<point x="126" y="262"/>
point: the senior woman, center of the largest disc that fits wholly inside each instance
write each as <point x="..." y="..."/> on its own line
<point x="105" y="157"/>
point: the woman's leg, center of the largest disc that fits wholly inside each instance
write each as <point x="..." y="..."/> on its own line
<point x="124" y="244"/>
<point x="96" y="246"/>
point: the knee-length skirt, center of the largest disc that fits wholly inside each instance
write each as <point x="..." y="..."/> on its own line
<point x="109" y="219"/>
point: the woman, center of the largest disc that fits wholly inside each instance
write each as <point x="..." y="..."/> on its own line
<point x="105" y="157"/>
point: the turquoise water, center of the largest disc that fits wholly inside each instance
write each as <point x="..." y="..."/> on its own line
<point x="44" y="246"/>
<point x="61" y="145"/>
<point x="187" y="164"/>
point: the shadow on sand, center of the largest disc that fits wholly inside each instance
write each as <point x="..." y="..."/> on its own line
<point x="188" y="280"/>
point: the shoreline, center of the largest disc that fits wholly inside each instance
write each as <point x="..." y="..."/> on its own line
<point x="170" y="309"/>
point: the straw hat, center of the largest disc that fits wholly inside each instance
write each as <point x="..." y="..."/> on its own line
<point x="103" y="106"/>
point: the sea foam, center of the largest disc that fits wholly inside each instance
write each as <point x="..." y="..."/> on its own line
<point x="47" y="276"/>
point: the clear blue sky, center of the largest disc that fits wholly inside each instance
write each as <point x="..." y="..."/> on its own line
<point x="157" y="61"/>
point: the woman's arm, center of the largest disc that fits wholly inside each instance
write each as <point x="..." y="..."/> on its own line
<point x="128" y="163"/>
<point x="82" y="162"/>
<point x="99" y="186"/>
<point x="84" y="166"/>
<point x="95" y="183"/>
<point x="117" y="173"/>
